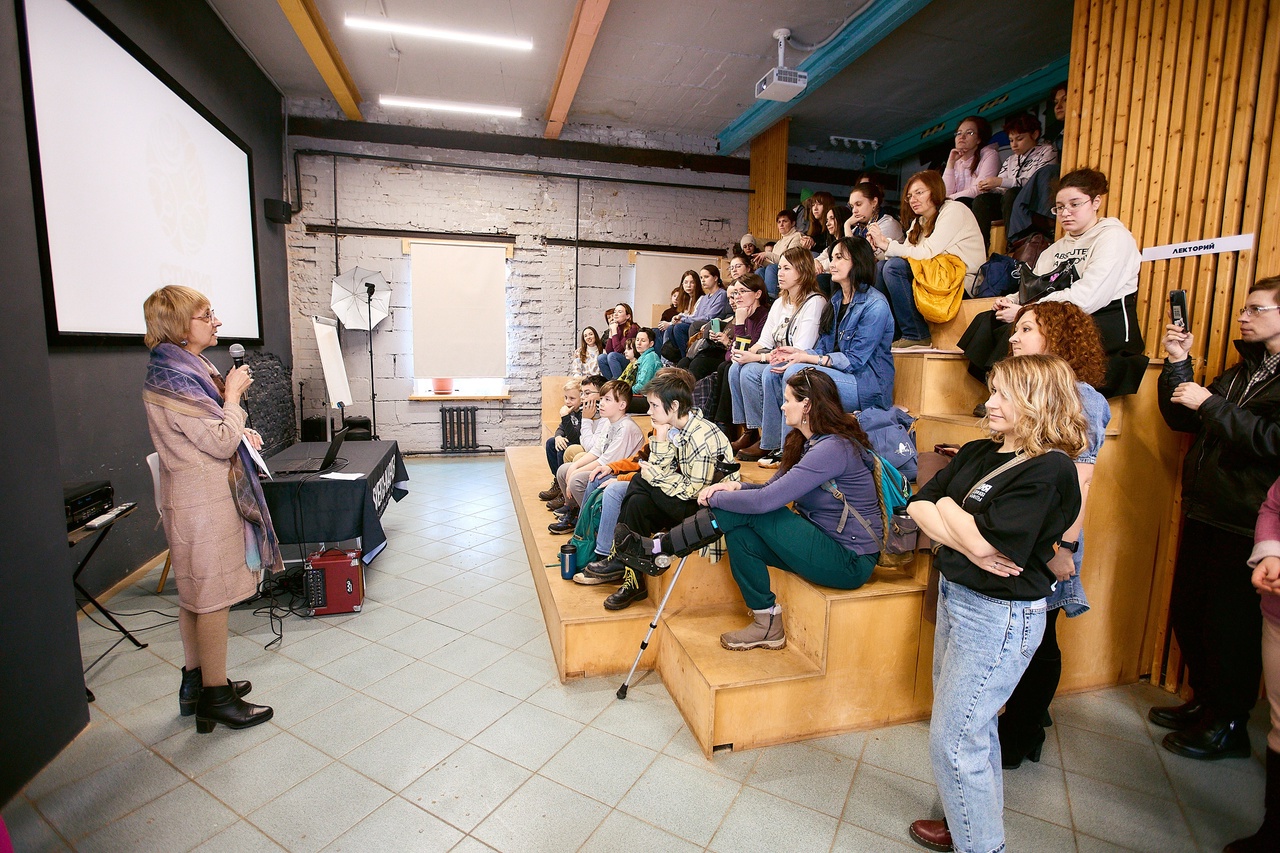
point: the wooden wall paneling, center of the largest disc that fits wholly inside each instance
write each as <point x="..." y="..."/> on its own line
<point x="1157" y="222"/>
<point x="1123" y="129"/>
<point x="1188" y="209"/>
<point x="1113" y="113"/>
<point x="1106" y="72"/>
<point x="1215" y="136"/>
<point x="768" y="180"/>
<point x="1092" y="80"/>
<point x="1075" y="86"/>
<point x="1144" y="139"/>
<point x="1261" y="165"/>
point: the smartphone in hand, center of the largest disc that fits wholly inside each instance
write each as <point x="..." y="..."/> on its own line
<point x="1178" y="309"/>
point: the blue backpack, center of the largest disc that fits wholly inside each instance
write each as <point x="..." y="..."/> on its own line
<point x="890" y="431"/>
<point x="997" y="277"/>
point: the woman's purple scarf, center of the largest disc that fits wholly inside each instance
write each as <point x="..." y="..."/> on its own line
<point x="184" y="383"/>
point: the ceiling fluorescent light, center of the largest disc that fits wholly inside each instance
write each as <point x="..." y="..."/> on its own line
<point x="448" y="106"/>
<point x="382" y="25"/>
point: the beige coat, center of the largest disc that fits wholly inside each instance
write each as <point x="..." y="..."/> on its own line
<point x="203" y="526"/>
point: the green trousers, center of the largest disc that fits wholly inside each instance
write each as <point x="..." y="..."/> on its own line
<point x="790" y="542"/>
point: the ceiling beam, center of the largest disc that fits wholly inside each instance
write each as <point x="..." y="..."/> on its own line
<point x="314" y="35"/>
<point x="880" y="18"/>
<point x="1009" y="98"/>
<point x="587" y="19"/>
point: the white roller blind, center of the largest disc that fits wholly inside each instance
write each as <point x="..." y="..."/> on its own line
<point x="656" y="274"/>
<point x="459" y="310"/>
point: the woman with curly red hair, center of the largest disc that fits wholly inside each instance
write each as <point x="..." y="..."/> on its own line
<point x="1064" y="330"/>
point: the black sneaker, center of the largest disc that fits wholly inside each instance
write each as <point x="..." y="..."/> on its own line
<point x="632" y="590"/>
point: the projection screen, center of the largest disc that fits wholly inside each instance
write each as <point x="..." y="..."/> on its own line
<point x="141" y="186"/>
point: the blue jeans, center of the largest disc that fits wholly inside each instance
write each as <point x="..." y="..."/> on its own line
<point x="678" y="336"/>
<point x="555" y="458"/>
<point x="610" y="508"/>
<point x="981" y="647"/>
<point x="750" y="389"/>
<point x="846" y="384"/>
<point x="611" y="364"/>
<point x="893" y="279"/>
<point x="769" y="273"/>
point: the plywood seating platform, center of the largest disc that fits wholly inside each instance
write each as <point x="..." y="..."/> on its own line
<point x="851" y="660"/>
<point x="946" y="336"/>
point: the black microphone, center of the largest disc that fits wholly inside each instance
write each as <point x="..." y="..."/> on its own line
<point x="237" y="355"/>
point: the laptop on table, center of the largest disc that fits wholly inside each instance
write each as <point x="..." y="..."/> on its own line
<point x="313" y="465"/>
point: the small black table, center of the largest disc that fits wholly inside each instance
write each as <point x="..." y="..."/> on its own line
<point x="312" y="508"/>
<point x="74" y="538"/>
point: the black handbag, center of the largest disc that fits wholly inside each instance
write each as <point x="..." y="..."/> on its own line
<point x="1033" y="288"/>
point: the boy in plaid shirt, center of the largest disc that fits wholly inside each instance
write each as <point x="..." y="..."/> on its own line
<point x="683" y="453"/>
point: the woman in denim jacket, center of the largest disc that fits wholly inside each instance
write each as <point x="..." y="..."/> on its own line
<point x="1061" y="329"/>
<point x="853" y="347"/>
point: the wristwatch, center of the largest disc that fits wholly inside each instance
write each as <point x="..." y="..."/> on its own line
<point x="1070" y="546"/>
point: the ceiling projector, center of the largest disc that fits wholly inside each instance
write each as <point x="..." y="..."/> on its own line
<point x="781" y="83"/>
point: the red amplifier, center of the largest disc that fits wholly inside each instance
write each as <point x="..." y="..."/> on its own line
<point x="333" y="582"/>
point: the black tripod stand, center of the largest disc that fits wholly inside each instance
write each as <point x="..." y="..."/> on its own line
<point x="373" y="390"/>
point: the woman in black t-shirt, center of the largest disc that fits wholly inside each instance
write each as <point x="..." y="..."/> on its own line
<point x="997" y="513"/>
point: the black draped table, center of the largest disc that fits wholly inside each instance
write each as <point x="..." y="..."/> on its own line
<point x="313" y="508"/>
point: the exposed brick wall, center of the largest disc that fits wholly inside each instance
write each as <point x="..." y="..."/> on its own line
<point x="541" y="321"/>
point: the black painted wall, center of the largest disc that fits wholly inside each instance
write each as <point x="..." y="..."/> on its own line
<point x="76" y="413"/>
<point x="101" y="426"/>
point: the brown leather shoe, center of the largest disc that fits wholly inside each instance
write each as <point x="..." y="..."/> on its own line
<point x="932" y="834"/>
<point x="750" y="454"/>
<point x="748" y="438"/>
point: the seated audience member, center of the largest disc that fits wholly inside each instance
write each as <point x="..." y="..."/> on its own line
<point x="1061" y="329"/>
<point x="750" y="303"/>
<point x="1106" y="261"/>
<point x="685" y="298"/>
<point x="638" y="373"/>
<point x="788" y="237"/>
<point x="570" y="429"/>
<point x="997" y="195"/>
<point x="748" y="246"/>
<point x="1265" y="561"/>
<point x="1226" y="474"/>
<point x="836" y="219"/>
<point x="853" y="347"/>
<point x="711" y="354"/>
<point x="768" y="247"/>
<point x="996" y="513"/>
<point x="712" y="303"/>
<point x="971" y="160"/>
<point x="588" y="418"/>
<point x="793" y="321"/>
<point x="935" y="227"/>
<point x="672" y="309"/>
<point x="584" y="361"/>
<point x="866" y="202"/>
<point x="826" y="469"/>
<point x="815" y="226"/>
<point x="683" y="453"/>
<point x="616" y="439"/>
<point x="621" y="330"/>
<point x="1059" y="98"/>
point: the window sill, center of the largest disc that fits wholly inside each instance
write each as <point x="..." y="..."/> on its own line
<point x="430" y="398"/>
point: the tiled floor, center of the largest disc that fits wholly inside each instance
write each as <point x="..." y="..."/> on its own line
<point x="433" y="720"/>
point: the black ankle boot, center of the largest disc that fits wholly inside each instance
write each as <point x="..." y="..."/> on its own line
<point x="1177" y="717"/>
<point x="1267" y="838"/>
<point x="189" y="691"/>
<point x="1212" y="739"/>
<point x="222" y="705"/>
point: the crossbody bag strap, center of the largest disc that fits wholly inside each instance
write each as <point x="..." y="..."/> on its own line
<point x="1017" y="459"/>
<point x="831" y="488"/>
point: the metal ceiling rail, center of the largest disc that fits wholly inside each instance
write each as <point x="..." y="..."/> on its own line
<point x="1018" y="94"/>
<point x="863" y="33"/>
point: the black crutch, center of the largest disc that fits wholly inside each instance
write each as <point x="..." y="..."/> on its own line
<point x="644" y="644"/>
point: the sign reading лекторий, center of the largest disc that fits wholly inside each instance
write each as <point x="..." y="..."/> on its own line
<point x="1209" y="246"/>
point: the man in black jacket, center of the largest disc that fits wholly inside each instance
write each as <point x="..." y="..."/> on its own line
<point x="1234" y="460"/>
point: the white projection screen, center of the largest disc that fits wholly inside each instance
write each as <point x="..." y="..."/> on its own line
<point x="141" y="188"/>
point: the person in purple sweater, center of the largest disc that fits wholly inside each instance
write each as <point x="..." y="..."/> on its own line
<point x="833" y="539"/>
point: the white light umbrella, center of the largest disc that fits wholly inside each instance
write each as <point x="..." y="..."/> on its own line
<point x="361" y="299"/>
<point x="354" y="304"/>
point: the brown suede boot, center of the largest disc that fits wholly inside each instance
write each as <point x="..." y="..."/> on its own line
<point x="765" y="632"/>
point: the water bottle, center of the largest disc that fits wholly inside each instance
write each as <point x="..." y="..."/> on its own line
<point x="568" y="561"/>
